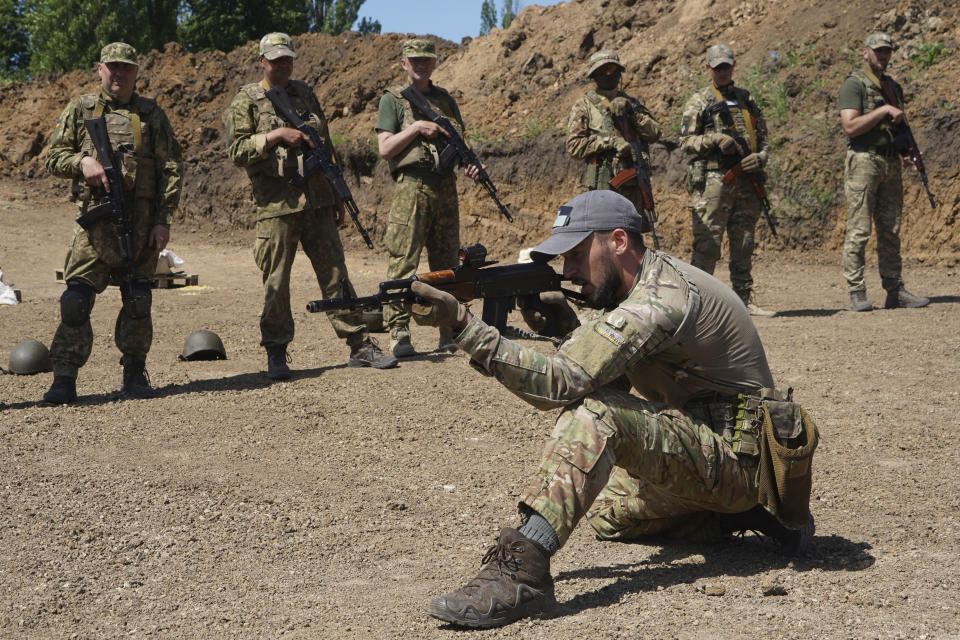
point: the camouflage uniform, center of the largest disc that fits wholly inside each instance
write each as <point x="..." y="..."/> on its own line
<point x="655" y="462"/>
<point x="716" y="207"/>
<point x="873" y="186"/>
<point x="424" y="212"/>
<point x="150" y="160"/>
<point x="590" y="129"/>
<point x="287" y="216"/>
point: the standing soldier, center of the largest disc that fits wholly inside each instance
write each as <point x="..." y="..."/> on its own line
<point x="272" y="152"/>
<point x="722" y="127"/>
<point x="149" y="159"/>
<point x="424" y="212"/>
<point x="871" y="107"/>
<point x="595" y="135"/>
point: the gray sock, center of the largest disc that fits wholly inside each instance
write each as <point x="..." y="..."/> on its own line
<point x="539" y="530"/>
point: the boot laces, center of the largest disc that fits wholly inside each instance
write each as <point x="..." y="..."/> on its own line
<point x="503" y="557"/>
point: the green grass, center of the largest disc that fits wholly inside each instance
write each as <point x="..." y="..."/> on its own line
<point x="769" y="93"/>
<point x="534" y="127"/>
<point x="930" y="53"/>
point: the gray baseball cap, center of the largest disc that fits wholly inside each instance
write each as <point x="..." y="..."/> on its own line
<point x="719" y="54"/>
<point x="599" y="210"/>
<point x="877" y="40"/>
<point x="276" y="45"/>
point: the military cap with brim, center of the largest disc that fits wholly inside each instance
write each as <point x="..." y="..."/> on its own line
<point x="419" y="48"/>
<point x="119" y="52"/>
<point x="878" y="40"/>
<point x="599" y="210"/>
<point x="719" y="54"/>
<point x="601" y="58"/>
<point x="276" y="45"/>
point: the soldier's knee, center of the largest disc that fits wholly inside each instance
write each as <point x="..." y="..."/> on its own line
<point x="75" y="303"/>
<point x="137" y="298"/>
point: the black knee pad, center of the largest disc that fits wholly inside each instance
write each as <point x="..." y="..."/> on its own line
<point x="137" y="299"/>
<point x="75" y="303"/>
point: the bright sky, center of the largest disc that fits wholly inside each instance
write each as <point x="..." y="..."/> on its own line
<point x="450" y="19"/>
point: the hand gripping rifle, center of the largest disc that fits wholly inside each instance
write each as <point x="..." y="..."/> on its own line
<point x="640" y="172"/>
<point x="112" y="205"/>
<point x="455" y="146"/>
<point x="733" y="168"/>
<point x="906" y="144"/>
<point x="502" y="289"/>
<point x="317" y="158"/>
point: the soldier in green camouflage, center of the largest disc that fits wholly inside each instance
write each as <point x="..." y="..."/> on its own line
<point x="424" y="213"/>
<point x="271" y="151"/>
<point x="677" y="457"/>
<point x="150" y="161"/>
<point x="871" y="107"/>
<point x="594" y="137"/>
<point x="715" y="147"/>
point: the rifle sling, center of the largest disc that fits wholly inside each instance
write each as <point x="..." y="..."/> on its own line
<point x="134" y="125"/>
<point x="747" y="119"/>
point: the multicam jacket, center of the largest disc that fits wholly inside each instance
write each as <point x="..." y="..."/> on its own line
<point x="248" y="119"/>
<point x="697" y="128"/>
<point x="678" y="334"/>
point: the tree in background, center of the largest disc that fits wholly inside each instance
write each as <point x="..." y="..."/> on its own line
<point x="509" y="12"/>
<point x="334" y="16"/>
<point x="227" y="24"/>
<point x="369" y="26"/>
<point x="14" y="40"/>
<point x="488" y="17"/>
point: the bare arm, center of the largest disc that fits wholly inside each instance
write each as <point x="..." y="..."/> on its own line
<point x="856" y="124"/>
<point x="391" y="144"/>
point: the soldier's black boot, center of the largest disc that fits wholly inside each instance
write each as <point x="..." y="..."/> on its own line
<point x="903" y="298"/>
<point x="277" y="359"/>
<point x="136" y="382"/>
<point x="62" y="391"/>
<point x="859" y="302"/>
<point x="514" y="583"/>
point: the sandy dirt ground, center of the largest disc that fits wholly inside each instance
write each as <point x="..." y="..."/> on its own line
<point x="336" y="504"/>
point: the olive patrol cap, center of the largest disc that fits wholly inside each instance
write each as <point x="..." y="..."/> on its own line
<point x="877" y="40"/>
<point x="119" y="52"/>
<point x="598" y="210"/>
<point x="276" y="45"/>
<point x="719" y="54"/>
<point x="418" y="48"/>
<point x="601" y="58"/>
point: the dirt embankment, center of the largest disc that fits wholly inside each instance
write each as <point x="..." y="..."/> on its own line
<point x="516" y="86"/>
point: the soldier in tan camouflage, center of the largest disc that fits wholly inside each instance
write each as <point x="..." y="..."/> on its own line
<point x="149" y="159"/>
<point x="871" y="107"/>
<point x="424" y="213"/>
<point x="271" y="151"/>
<point x="678" y="457"/>
<point x="593" y="129"/>
<point x="715" y="147"/>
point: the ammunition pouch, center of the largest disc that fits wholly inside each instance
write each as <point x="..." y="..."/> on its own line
<point x="696" y="178"/>
<point x="137" y="298"/>
<point x="75" y="303"/>
<point x="599" y="171"/>
<point x="788" y="439"/>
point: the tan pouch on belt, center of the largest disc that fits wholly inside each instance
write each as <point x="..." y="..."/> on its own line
<point x="788" y="440"/>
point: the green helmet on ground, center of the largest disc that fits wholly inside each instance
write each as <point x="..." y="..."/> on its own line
<point x="203" y="345"/>
<point x="29" y="357"/>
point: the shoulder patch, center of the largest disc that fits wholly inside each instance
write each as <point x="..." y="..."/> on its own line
<point x="604" y="330"/>
<point x="616" y="320"/>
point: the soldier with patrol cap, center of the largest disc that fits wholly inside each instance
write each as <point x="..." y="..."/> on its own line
<point x="150" y="160"/>
<point x="714" y="147"/>
<point x="424" y="213"/>
<point x="271" y="151"/>
<point x="680" y="457"/>
<point x="871" y="108"/>
<point x="594" y="136"/>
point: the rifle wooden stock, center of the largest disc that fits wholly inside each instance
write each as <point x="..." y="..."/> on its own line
<point x="759" y="189"/>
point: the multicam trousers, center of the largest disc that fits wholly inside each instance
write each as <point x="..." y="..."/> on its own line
<point x="276" y="247"/>
<point x="71" y="346"/>
<point x="424" y="213"/>
<point x="732" y="207"/>
<point x="874" y="189"/>
<point x="634" y="467"/>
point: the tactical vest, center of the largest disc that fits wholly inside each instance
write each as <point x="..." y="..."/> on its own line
<point x="882" y="134"/>
<point x="422" y="154"/>
<point x="282" y="161"/>
<point x="601" y="167"/>
<point x="743" y="109"/>
<point x="130" y="138"/>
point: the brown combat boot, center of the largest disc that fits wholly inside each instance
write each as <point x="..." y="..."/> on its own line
<point x="514" y="583"/>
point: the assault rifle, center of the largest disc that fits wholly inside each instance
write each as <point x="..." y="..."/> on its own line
<point x="455" y="146"/>
<point x="112" y="205"/>
<point x="732" y="166"/>
<point x="502" y="289"/>
<point x="317" y="158"/>
<point x="639" y="172"/>
<point x="906" y="144"/>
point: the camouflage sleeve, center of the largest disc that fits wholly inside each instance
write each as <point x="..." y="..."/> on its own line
<point x="597" y="354"/>
<point x="644" y="124"/>
<point x="761" y="127"/>
<point x="63" y="154"/>
<point x="169" y="167"/>
<point x="581" y="141"/>
<point x="245" y="145"/>
<point x="692" y="139"/>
